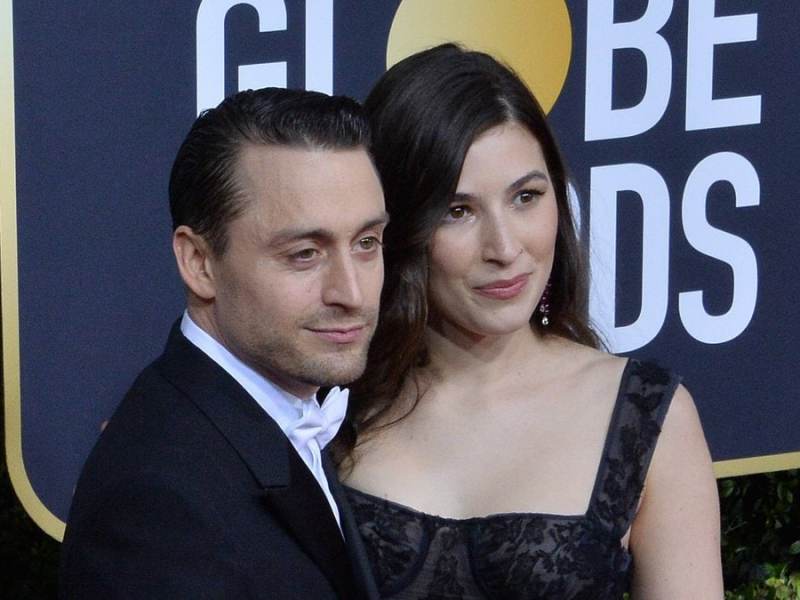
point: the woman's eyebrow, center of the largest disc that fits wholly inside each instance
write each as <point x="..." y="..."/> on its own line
<point x="535" y="174"/>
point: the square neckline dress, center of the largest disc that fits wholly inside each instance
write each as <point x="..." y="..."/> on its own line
<point x="530" y="556"/>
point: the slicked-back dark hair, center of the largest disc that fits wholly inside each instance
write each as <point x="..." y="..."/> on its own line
<point x="203" y="189"/>
<point x="425" y="113"/>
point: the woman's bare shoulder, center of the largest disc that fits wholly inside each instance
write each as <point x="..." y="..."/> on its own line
<point x="680" y="490"/>
<point x="591" y="366"/>
<point x="682" y="438"/>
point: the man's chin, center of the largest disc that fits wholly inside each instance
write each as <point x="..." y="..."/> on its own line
<point x="312" y="365"/>
<point x="337" y="369"/>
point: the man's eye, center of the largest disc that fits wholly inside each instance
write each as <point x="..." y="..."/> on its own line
<point x="369" y="243"/>
<point x="305" y="255"/>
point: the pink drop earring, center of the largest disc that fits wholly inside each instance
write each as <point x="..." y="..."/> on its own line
<point x="544" y="305"/>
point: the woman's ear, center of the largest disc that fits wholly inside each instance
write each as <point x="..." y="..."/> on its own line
<point x="194" y="258"/>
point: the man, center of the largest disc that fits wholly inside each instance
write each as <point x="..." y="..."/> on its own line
<point x="209" y="480"/>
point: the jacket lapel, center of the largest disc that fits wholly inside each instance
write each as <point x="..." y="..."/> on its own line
<point x="290" y="490"/>
<point x="306" y="514"/>
<point x="355" y="546"/>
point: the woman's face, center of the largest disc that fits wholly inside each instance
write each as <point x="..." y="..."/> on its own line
<point x="492" y="253"/>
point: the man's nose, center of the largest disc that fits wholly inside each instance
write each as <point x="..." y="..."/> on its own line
<point x="342" y="284"/>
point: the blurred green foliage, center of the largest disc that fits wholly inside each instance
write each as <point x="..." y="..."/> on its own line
<point x="761" y="536"/>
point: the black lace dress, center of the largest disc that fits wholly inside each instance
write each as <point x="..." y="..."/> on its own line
<point x="527" y="555"/>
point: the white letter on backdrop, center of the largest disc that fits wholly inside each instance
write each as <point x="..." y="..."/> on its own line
<point x="319" y="46"/>
<point x="211" y="50"/>
<point x="724" y="246"/>
<point x="606" y="182"/>
<point x="705" y="32"/>
<point x="603" y="36"/>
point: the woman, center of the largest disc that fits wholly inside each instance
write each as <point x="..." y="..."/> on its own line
<point x="493" y="451"/>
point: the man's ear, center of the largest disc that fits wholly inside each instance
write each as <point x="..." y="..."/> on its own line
<point x="194" y="258"/>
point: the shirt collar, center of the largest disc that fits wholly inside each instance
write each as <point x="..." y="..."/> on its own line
<point x="283" y="407"/>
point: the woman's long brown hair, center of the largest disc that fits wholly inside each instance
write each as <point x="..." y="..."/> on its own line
<point x="425" y="113"/>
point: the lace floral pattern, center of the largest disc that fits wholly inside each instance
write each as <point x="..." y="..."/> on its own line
<point x="527" y="556"/>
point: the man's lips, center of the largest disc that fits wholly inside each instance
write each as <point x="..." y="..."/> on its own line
<point x="504" y="289"/>
<point x="339" y="334"/>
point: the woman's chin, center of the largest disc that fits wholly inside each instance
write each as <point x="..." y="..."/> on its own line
<point x="484" y="328"/>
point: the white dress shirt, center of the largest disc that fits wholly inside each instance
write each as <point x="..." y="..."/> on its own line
<point x="284" y="408"/>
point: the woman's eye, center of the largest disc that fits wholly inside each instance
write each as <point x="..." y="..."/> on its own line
<point x="456" y="213"/>
<point x="527" y="196"/>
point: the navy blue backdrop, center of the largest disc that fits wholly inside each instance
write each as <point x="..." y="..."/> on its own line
<point x="104" y="92"/>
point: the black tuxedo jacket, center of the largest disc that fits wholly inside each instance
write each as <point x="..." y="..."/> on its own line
<point x="193" y="491"/>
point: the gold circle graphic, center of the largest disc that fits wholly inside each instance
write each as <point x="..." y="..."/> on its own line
<point x="534" y="37"/>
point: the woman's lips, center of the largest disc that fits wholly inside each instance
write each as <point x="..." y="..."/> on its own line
<point x="504" y="289"/>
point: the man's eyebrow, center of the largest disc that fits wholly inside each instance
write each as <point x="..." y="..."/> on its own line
<point x="290" y="235"/>
<point x="382" y="220"/>
<point x="287" y="236"/>
<point x="535" y="174"/>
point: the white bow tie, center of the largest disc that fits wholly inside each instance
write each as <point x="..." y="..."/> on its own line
<point x="320" y="423"/>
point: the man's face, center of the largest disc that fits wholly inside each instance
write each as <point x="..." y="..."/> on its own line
<point x="297" y="289"/>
